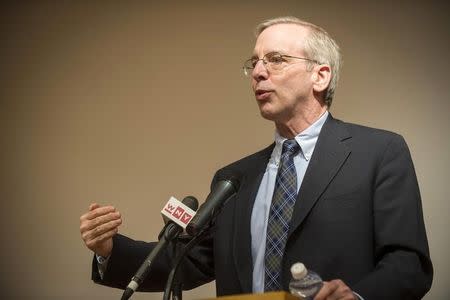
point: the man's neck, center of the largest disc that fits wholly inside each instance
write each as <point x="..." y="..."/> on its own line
<point x="292" y="127"/>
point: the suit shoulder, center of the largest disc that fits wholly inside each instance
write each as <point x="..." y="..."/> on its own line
<point x="374" y="140"/>
<point x="370" y="133"/>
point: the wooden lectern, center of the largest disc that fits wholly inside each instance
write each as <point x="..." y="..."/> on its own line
<point x="265" y="296"/>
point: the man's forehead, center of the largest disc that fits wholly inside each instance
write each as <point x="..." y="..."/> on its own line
<point x="281" y="38"/>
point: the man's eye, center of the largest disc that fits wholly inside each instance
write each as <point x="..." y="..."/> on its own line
<point x="276" y="59"/>
<point x="254" y="62"/>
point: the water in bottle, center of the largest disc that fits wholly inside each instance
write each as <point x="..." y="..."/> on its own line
<point x="304" y="283"/>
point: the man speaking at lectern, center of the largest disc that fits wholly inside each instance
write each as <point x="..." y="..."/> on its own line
<point x="339" y="197"/>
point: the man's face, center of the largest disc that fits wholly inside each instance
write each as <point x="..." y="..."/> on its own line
<point x="282" y="94"/>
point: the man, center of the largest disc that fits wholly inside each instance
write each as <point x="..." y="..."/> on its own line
<point x="341" y="198"/>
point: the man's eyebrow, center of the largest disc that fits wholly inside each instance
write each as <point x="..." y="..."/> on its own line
<point x="270" y="52"/>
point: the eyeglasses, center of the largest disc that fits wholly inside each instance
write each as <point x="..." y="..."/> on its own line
<point x="273" y="61"/>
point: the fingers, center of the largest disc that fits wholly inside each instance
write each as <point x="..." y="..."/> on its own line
<point x="327" y="289"/>
<point x="91" y="230"/>
<point x="98" y="226"/>
<point x="89" y="224"/>
<point x="97" y="211"/>
<point x="334" y="290"/>
<point x="96" y="244"/>
<point x="93" y="206"/>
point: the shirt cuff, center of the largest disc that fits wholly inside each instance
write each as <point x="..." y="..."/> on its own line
<point x="357" y="295"/>
<point x="102" y="263"/>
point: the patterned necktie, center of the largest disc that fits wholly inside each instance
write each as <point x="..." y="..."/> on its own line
<point x="284" y="196"/>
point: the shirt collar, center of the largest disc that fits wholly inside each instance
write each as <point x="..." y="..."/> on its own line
<point x="307" y="140"/>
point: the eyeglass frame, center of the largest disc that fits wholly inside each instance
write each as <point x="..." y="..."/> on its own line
<point x="255" y="60"/>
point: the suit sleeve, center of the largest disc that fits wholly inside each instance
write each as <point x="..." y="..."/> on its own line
<point x="403" y="266"/>
<point x="127" y="256"/>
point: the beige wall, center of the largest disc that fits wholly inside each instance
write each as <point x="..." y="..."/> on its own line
<point x="130" y="104"/>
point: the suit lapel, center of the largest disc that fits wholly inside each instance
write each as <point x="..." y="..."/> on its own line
<point x="243" y="210"/>
<point x="329" y="155"/>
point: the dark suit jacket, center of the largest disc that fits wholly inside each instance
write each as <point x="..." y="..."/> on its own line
<point x="358" y="217"/>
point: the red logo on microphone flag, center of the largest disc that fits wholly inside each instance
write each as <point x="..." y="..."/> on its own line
<point x="178" y="212"/>
<point x="185" y="218"/>
<point x="169" y="208"/>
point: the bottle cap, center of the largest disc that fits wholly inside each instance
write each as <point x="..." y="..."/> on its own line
<point x="298" y="270"/>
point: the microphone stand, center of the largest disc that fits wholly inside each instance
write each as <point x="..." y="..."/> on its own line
<point x="165" y="237"/>
<point x="178" y="259"/>
<point x="177" y="291"/>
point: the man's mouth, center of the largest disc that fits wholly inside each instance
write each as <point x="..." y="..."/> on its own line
<point x="261" y="94"/>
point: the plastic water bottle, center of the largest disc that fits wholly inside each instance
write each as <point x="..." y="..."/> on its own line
<point x="304" y="283"/>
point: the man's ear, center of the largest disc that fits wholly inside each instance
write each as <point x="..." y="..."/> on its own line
<point x="321" y="78"/>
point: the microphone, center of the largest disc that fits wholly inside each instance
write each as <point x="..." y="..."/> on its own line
<point x="176" y="216"/>
<point x="227" y="186"/>
<point x="179" y="214"/>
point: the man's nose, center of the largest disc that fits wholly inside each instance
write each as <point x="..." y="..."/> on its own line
<point x="260" y="71"/>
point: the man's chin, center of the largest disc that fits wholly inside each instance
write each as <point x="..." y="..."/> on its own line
<point x="268" y="115"/>
<point x="267" y="110"/>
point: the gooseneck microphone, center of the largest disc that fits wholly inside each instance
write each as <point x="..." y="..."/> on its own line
<point x="175" y="211"/>
<point x="226" y="186"/>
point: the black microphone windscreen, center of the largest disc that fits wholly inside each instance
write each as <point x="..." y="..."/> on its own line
<point x="233" y="176"/>
<point x="226" y="184"/>
<point x="191" y="202"/>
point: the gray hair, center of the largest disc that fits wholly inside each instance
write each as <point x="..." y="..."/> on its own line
<point x="319" y="46"/>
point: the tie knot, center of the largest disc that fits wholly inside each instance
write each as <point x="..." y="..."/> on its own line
<point x="290" y="147"/>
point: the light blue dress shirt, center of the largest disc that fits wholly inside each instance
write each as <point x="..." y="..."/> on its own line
<point x="307" y="140"/>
